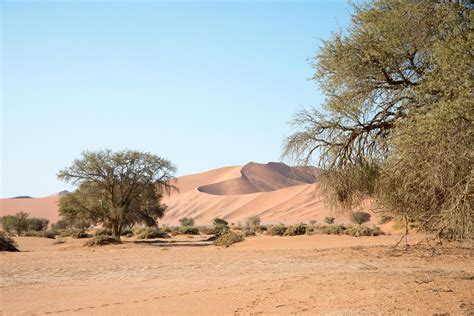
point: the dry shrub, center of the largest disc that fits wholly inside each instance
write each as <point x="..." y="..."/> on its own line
<point x="102" y="240"/>
<point x="228" y="239"/>
<point x="7" y="243"/>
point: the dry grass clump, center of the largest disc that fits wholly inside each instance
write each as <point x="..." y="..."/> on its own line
<point x="360" y="230"/>
<point x="75" y="233"/>
<point x="360" y="217"/>
<point x="296" y="229"/>
<point x="276" y="230"/>
<point x="102" y="240"/>
<point x="150" y="233"/>
<point x="329" y="220"/>
<point x="7" y="243"/>
<point x="188" y="230"/>
<point x="228" y="239"/>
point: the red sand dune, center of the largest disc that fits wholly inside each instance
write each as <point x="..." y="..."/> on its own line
<point x="45" y="207"/>
<point x="273" y="191"/>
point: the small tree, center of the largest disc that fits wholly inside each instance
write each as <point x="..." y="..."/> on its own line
<point x="117" y="189"/>
<point x="253" y="222"/>
<point x="15" y="223"/>
<point x="360" y="217"/>
<point x="329" y="220"/>
<point x="186" y="221"/>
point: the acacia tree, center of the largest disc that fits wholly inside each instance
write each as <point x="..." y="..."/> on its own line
<point x="397" y="120"/>
<point x="117" y="189"/>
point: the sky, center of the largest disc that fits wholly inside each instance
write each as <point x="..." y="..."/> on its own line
<point x="203" y="84"/>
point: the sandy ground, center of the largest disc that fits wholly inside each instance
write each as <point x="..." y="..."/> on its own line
<point x="318" y="274"/>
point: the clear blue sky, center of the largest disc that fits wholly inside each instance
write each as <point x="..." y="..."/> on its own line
<point x="204" y="84"/>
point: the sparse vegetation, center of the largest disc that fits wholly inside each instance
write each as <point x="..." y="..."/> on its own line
<point x="330" y="229"/>
<point x="7" y="243"/>
<point x="276" y="230"/>
<point x="15" y="224"/>
<point x="186" y="221"/>
<point x="360" y="217"/>
<point x="75" y="233"/>
<point x="295" y="230"/>
<point x="228" y="239"/>
<point x="220" y="226"/>
<point x="361" y="230"/>
<point x="188" y="230"/>
<point x="102" y="240"/>
<point x="150" y="233"/>
<point x="103" y="232"/>
<point x="329" y="220"/>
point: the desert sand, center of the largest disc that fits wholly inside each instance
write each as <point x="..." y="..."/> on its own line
<point x="319" y="274"/>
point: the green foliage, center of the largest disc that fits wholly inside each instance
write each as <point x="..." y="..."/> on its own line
<point x="17" y="223"/>
<point x="361" y="230"/>
<point x="397" y="120"/>
<point x="228" y="239"/>
<point x="329" y="220"/>
<point x="67" y="222"/>
<point x="117" y="189"/>
<point x="276" y="230"/>
<point x="360" y="217"/>
<point x="150" y="233"/>
<point x="295" y="230"/>
<point x="37" y="224"/>
<point x="7" y="243"/>
<point x="102" y="240"/>
<point x="220" y="229"/>
<point x="75" y="233"/>
<point x="188" y="230"/>
<point x="330" y="229"/>
<point x="186" y="221"/>
<point x="220" y="221"/>
<point x="253" y="222"/>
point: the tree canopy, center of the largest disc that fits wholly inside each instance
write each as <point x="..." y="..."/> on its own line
<point x="117" y="189"/>
<point x="397" y="120"/>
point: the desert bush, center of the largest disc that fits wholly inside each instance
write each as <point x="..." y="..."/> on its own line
<point x="248" y="231"/>
<point x="312" y="222"/>
<point x="228" y="239"/>
<point x="150" y="233"/>
<point x="7" y="243"/>
<point x="276" y="230"/>
<point x="65" y="223"/>
<point x="17" y="223"/>
<point x="75" y="233"/>
<point x="360" y="230"/>
<point x="295" y="230"/>
<point x="385" y="218"/>
<point x="186" y="221"/>
<point x="253" y="222"/>
<point x="220" y="221"/>
<point x="220" y="229"/>
<point x="330" y="229"/>
<point x="50" y="234"/>
<point x="188" y="230"/>
<point x="102" y="240"/>
<point x="360" y="217"/>
<point x="43" y="234"/>
<point x="329" y="220"/>
<point x="37" y="224"/>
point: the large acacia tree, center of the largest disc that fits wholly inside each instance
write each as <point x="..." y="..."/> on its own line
<point x="397" y="121"/>
<point x="117" y="189"/>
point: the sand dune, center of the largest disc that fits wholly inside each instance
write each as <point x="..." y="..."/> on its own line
<point x="273" y="191"/>
<point x="46" y="207"/>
